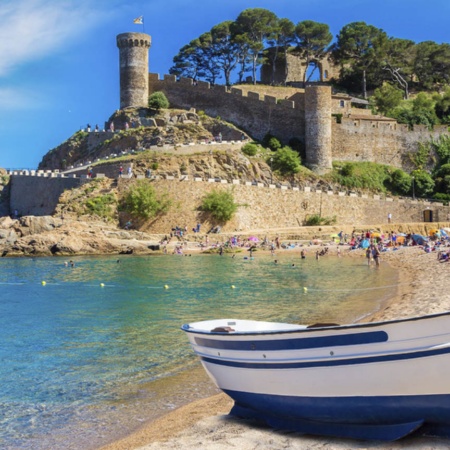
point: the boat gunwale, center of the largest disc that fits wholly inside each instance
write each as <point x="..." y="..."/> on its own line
<point x="186" y="327"/>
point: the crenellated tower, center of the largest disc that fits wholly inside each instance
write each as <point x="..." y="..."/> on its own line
<point x="318" y="128"/>
<point x="133" y="60"/>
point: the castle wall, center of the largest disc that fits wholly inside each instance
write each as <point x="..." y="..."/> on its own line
<point x="253" y="113"/>
<point x="38" y="195"/>
<point x="384" y="142"/>
<point x="265" y="208"/>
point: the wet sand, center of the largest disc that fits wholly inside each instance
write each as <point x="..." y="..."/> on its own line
<point x="424" y="288"/>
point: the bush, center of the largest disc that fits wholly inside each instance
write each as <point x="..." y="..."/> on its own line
<point x="220" y="204"/>
<point x="250" y="149"/>
<point x="423" y="183"/>
<point x="270" y="141"/>
<point x="101" y="206"/>
<point x="317" y="219"/>
<point x="158" y="100"/>
<point x="141" y="201"/>
<point x="442" y="179"/>
<point x="274" y="144"/>
<point x="286" y="161"/>
<point x="401" y="182"/>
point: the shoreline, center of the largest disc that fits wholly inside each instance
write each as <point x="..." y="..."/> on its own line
<point x="205" y="422"/>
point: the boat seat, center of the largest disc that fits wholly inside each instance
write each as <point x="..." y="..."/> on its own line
<point x="322" y="325"/>
<point x="222" y="330"/>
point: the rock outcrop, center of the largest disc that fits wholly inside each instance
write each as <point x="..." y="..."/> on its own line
<point x="45" y="236"/>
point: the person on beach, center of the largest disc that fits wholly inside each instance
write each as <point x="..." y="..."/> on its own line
<point x="303" y="254"/>
<point x="375" y="255"/>
<point x="368" y="255"/>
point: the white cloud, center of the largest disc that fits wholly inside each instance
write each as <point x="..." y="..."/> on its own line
<point x="31" y="29"/>
<point x="13" y="99"/>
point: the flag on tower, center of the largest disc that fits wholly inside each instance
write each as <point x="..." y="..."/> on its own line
<point x="139" y="20"/>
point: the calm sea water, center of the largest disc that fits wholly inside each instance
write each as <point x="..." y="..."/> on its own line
<point x="82" y="363"/>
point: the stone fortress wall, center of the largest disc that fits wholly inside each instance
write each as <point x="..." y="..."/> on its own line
<point x="356" y="136"/>
<point x="262" y="206"/>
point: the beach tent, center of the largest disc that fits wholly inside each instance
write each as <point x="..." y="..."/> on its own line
<point x="365" y="243"/>
<point x="419" y="239"/>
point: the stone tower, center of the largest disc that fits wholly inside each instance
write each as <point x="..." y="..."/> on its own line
<point x="133" y="59"/>
<point x="318" y="128"/>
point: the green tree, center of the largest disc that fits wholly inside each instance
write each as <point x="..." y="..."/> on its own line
<point x="286" y="161"/>
<point x="387" y="98"/>
<point x="362" y="46"/>
<point x="252" y="28"/>
<point x="281" y="38"/>
<point x="399" y="62"/>
<point x="188" y="62"/>
<point x="401" y="182"/>
<point x="226" y="51"/>
<point x="220" y="204"/>
<point x="432" y="63"/>
<point x="442" y="179"/>
<point x="158" y="100"/>
<point x="313" y="39"/>
<point x="142" y="201"/>
<point x="423" y="183"/>
<point x="442" y="106"/>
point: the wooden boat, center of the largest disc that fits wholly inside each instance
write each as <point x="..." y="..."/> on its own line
<point x="373" y="381"/>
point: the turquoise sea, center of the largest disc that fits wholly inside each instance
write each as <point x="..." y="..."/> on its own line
<point x="96" y="350"/>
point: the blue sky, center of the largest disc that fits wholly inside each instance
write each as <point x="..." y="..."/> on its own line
<point x="59" y="60"/>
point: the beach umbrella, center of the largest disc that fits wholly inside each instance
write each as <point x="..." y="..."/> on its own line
<point x="443" y="232"/>
<point x="401" y="234"/>
<point x="317" y="241"/>
<point x="253" y="239"/>
<point x="334" y="235"/>
<point x="433" y="232"/>
<point x="375" y="234"/>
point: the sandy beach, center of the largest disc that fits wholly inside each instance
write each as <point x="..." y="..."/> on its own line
<point x="423" y="288"/>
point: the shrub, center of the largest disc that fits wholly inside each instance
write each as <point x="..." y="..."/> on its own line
<point x="401" y="182"/>
<point x="250" y="149"/>
<point x="154" y="166"/>
<point x="102" y="205"/>
<point x="141" y="201"/>
<point x="317" y="219"/>
<point x="270" y="141"/>
<point x="220" y="204"/>
<point x="158" y="100"/>
<point x="286" y="161"/>
<point x="423" y="183"/>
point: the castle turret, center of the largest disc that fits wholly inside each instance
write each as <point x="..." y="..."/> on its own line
<point x="133" y="57"/>
<point x="318" y="128"/>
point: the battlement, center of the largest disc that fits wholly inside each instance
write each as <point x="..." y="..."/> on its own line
<point x="169" y="81"/>
<point x="134" y="40"/>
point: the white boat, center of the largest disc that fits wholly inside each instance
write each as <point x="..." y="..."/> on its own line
<point x="377" y="381"/>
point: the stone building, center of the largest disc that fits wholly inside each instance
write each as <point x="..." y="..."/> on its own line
<point x="296" y="69"/>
